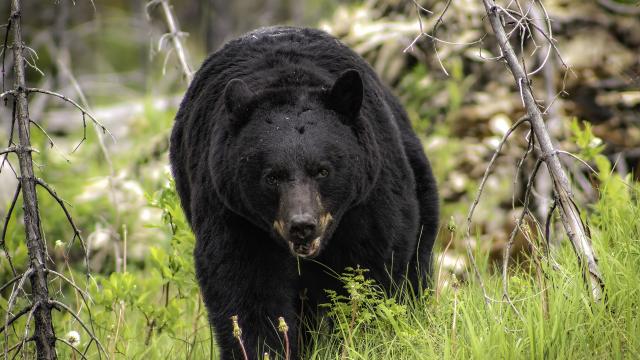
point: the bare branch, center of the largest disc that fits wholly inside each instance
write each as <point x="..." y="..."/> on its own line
<point x="76" y="231"/>
<point x="82" y="110"/>
<point x="6" y="93"/>
<point x="576" y="230"/>
<point x="6" y="225"/>
<point x="71" y="346"/>
<point x="175" y="36"/>
<point x="51" y="142"/>
<point x="15" y="317"/>
<point x="507" y="250"/>
<point x="477" y="199"/>
<point x="12" y="299"/>
<point x="62" y="307"/>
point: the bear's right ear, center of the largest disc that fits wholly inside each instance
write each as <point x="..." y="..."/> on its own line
<point x="345" y="96"/>
<point x="236" y="96"/>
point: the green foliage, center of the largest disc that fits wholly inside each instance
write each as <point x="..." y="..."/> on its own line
<point x="590" y="145"/>
<point x="153" y="310"/>
<point x="362" y="302"/>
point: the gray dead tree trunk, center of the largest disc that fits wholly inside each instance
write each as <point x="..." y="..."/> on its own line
<point x="576" y="230"/>
<point x="44" y="335"/>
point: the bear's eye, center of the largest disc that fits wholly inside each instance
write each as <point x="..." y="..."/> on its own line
<point x="323" y="173"/>
<point x="271" y="180"/>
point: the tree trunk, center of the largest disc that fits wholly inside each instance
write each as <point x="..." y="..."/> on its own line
<point x="44" y="335"/>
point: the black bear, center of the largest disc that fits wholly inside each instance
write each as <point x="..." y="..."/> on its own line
<point x="290" y="158"/>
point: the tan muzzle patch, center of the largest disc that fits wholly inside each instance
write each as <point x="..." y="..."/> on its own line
<point x="324" y="222"/>
<point x="278" y="226"/>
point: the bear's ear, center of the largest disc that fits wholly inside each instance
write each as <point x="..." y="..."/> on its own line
<point x="236" y="96"/>
<point x="345" y="96"/>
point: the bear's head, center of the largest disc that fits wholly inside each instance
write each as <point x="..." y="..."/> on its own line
<point x="294" y="160"/>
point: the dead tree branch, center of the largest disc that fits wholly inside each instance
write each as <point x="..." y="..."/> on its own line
<point x="45" y="337"/>
<point x="576" y="230"/>
<point x="479" y="194"/>
<point x="6" y="225"/>
<point x="12" y="299"/>
<point x="174" y="35"/>
<point x="62" y="307"/>
<point x="76" y="231"/>
<point x="64" y="98"/>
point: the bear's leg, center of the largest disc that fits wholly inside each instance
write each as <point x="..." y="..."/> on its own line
<point x="253" y="278"/>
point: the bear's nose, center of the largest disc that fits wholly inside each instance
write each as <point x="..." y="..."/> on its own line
<point x="303" y="228"/>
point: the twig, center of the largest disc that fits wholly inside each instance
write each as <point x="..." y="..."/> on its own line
<point x="570" y="214"/>
<point x="70" y="101"/>
<point x="477" y="199"/>
<point x="6" y="93"/>
<point x="15" y="317"/>
<point x="12" y="298"/>
<point x="71" y="346"/>
<point x="507" y="250"/>
<point x="76" y="231"/>
<point x="51" y="142"/>
<point x="174" y="35"/>
<point x="60" y="306"/>
<point x="28" y="324"/>
<point x="83" y="294"/>
<point x="6" y="226"/>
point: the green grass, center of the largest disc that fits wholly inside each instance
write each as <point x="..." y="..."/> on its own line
<point x="460" y="325"/>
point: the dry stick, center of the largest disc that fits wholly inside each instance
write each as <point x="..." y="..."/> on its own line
<point x="570" y="214"/>
<point x="439" y="273"/>
<point x="61" y="306"/>
<point x="507" y="250"/>
<point x="543" y="184"/>
<point x="76" y="231"/>
<point x="64" y="98"/>
<point x="12" y="298"/>
<point x="11" y="131"/>
<point x="6" y="225"/>
<point x="10" y="149"/>
<point x="7" y="284"/>
<point x="75" y="349"/>
<point x="477" y="199"/>
<point x="174" y="35"/>
<point x="27" y="326"/>
<point x="45" y="337"/>
<point x="15" y="317"/>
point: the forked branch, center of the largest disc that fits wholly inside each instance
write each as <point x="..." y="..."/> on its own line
<point x="174" y="35"/>
<point x="576" y="230"/>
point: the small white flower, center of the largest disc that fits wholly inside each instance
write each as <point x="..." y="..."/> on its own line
<point x="73" y="338"/>
<point x="596" y="141"/>
<point x="59" y="244"/>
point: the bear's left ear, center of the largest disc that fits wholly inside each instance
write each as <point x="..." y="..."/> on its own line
<point x="236" y="96"/>
<point x="345" y="96"/>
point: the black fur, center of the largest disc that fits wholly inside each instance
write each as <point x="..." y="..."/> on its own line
<point x="302" y="100"/>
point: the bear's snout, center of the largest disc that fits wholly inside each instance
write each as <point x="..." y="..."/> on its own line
<point x="302" y="229"/>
